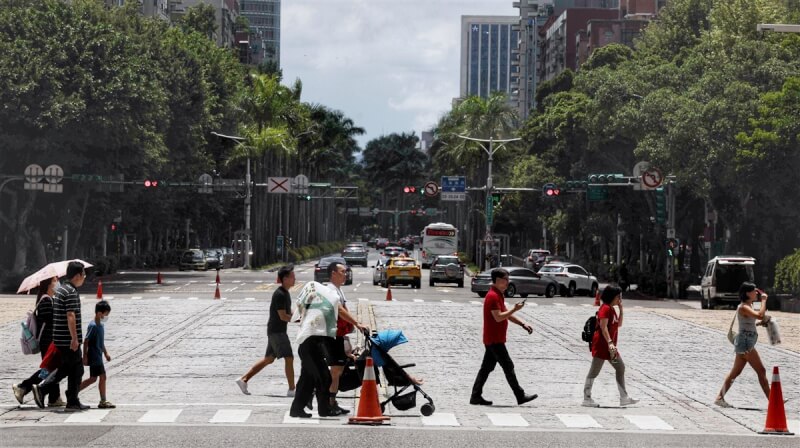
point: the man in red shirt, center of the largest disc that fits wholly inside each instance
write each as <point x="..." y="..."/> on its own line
<point x="495" y="326"/>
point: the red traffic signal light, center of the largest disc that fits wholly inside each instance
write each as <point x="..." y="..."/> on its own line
<point x="413" y="211"/>
<point x="150" y="183"/>
<point x="113" y="227"/>
<point x="409" y="189"/>
<point x="551" y="190"/>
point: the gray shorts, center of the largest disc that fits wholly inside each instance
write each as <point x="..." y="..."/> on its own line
<point x="278" y="346"/>
<point x="745" y="341"/>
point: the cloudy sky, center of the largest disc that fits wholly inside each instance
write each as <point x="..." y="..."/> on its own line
<point x="390" y="65"/>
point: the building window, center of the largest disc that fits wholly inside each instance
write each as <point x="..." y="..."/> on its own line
<point x="474" y="66"/>
<point x="484" y="61"/>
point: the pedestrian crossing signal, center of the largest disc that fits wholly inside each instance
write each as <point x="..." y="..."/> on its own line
<point x="150" y="183"/>
<point x="550" y="190"/>
<point x="409" y="189"/>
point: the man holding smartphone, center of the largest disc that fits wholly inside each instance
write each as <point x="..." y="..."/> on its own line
<point x="495" y="327"/>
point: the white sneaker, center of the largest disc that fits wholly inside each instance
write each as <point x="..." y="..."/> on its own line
<point x="722" y="403"/>
<point x="290" y="393"/>
<point x="627" y="401"/>
<point x="243" y="386"/>
<point x="19" y="394"/>
<point x="589" y="403"/>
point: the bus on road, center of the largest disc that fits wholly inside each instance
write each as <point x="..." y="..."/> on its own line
<point x="437" y="239"/>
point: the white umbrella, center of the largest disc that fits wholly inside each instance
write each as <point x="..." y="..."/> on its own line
<point x="58" y="269"/>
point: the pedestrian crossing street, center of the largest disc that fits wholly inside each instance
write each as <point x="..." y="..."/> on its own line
<point x="271" y="414"/>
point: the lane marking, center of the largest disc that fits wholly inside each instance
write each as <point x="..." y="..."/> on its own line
<point x="559" y="304"/>
<point x="649" y="422"/>
<point x="231" y="416"/>
<point x="136" y="298"/>
<point x="418" y="300"/>
<point x="184" y="405"/>
<point x="509" y="419"/>
<point x="88" y="416"/>
<point x="250" y="299"/>
<point x="287" y="419"/>
<point x="160" y="416"/>
<point x="163" y="298"/>
<point x="361" y="299"/>
<point x="440" y="419"/>
<point x="192" y="298"/>
<point x="108" y="297"/>
<point x="259" y="281"/>
<point x="447" y="301"/>
<point x="578" y="421"/>
<point x="236" y="281"/>
<point x="475" y="302"/>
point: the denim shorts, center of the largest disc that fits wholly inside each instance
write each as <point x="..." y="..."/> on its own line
<point x="745" y="341"/>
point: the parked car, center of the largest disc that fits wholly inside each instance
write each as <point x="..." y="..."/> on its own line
<point x="571" y="277"/>
<point x="533" y="259"/>
<point x="321" y="270"/>
<point x="378" y="268"/>
<point x="193" y="259"/>
<point x="402" y="271"/>
<point x="447" y="269"/>
<point x="354" y="256"/>
<point x="723" y="277"/>
<point x="213" y="259"/>
<point x="522" y="281"/>
<point x="381" y="243"/>
<point x="394" y="251"/>
<point x="356" y="245"/>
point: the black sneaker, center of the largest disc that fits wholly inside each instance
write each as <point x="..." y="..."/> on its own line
<point x="480" y="401"/>
<point x="37" y="396"/>
<point x="526" y="398"/>
<point x="299" y="414"/>
<point x="76" y="407"/>
<point x="341" y="409"/>
<point x="333" y="412"/>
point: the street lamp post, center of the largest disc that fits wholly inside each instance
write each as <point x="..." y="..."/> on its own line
<point x="778" y="27"/>
<point x="488" y="240"/>
<point x="247" y="200"/>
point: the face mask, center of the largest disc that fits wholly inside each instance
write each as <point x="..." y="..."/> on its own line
<point x="104" y="319"/>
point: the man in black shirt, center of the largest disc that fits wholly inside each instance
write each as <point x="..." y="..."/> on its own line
<point x="278" y="345"/>
<point x="67" y="337"/>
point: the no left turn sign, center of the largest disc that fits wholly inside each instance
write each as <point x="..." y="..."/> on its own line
<point x="652" y="178"/>
<point x="431" y="189"/>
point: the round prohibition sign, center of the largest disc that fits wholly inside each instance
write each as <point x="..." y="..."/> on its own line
<point x="431" y="189"/>
<point x="652" y="178"/>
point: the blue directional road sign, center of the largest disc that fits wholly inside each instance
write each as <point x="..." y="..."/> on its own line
<point x="454" y="184"/>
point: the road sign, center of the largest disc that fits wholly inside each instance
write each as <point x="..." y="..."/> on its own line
<point x="301" y="184"/>
<point x="33" y="177"/>
<point x="431" y="189"/>
<point x="279" y="244"/>
<point x="597" y="193"/>
<point x="431" y="211"/>
<point x="206" y="183"/>
<point x="53" y="174"/>
<point x="638" y="170"/>
<point x="454" y="184"/>
<point x="489" y="210"/>
<point x="453" y="196"/>
<point x="280" y="185"/>
<point x="652" y="178"/>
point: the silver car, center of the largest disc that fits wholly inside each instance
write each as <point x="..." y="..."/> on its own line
<point x="571" y="277"/>
<point x="447" y="269"/>
<point x="377" y="270"/>
<point x="521" y="281"/>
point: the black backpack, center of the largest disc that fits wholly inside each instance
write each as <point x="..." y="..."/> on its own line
<point x="589" y="328"/>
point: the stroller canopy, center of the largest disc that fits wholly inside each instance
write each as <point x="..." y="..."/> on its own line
<point x="386" y="339"/>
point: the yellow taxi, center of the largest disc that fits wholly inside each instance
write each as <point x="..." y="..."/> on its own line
<point x="402" y="271"/>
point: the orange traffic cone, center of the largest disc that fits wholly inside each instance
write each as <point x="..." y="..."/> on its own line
<point x="776" y="414"/>
<point x="388" y="292"/>
<point x="158" y="278"/>
<point x="369" y="408"/>
<point x="216" y="293"/>
<point x="218" y="276"/>
<point x="100" y="290"/>
<point x="597" y="298"/>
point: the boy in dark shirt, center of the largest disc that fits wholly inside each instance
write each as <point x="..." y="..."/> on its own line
<point x="94" y="348"/>
<point x="278" y="345"/>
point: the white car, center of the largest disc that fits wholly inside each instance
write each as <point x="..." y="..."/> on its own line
<point x="377" y="270"/>
<point x="571" y="277"/>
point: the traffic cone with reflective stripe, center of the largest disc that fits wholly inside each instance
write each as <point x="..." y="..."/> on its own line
<point x="216" y="293"/>
<point x="369" y="408"/>
<point x="158" y="278"/>
<point x="597" y="298"/>
<point x="388" y="292"/>
<point x="776" y="414"/>
<point x="100" y="290"/>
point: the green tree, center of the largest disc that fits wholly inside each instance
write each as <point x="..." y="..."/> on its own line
<point x="200" y="18"/>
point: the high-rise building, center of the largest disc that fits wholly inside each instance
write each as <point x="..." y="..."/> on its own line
<point x="264" y="18"/>
<point x="532" y="15"/>
<point x="225" y="15"/>
<point x="486" y="62"/>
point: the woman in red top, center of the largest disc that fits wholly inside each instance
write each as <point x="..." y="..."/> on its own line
<point x="604" y="346"/>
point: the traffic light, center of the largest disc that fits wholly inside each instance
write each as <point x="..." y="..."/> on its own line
<point x="114" y="227"/>
<point x="413" y="211"/>
<point x="661" y="205"/>
<point x="605" y="178"/>
<point x="496" y="198"/>
<point x="150" y="183"/>
<point x="577" y="185"/>
<point x="550" y="190"/>
<point x="672" y="246"/>
<point x="304" y="197"/>
<point x="409" y="189"/>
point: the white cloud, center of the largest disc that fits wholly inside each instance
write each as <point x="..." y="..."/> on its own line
<point x="392" y="66"/>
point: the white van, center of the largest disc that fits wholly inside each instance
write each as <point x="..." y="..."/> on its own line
<point x="723" y="277"/>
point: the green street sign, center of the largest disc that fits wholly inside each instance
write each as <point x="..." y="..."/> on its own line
<point x="489" y="210"/>
<point x="431" y="211"/>
<point x="597" y="193"/>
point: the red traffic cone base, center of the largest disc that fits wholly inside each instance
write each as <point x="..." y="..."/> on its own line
<point x="369" y="408"/>
<point x="776" y="413"/>
<point x="158" y="278"/>
<point x="99" y="290"/>
<point x="216" y="293"/>
<point x="388" y="292"/>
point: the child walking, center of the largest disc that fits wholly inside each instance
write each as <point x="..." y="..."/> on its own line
<point x="94" y="348"/>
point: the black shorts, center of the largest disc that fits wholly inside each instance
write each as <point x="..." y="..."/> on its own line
<point x="335" y="351"/>
<point x="278" y="346"/>
<point x="95" y="371"/>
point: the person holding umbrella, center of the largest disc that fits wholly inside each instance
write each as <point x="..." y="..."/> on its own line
<point x="44" y="320"/>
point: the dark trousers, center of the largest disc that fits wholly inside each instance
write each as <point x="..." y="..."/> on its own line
<point x="72" y="369"/>
<point x="496" y="354"/>
<point x="314" y="375"/>
<point x="27" y="385"/>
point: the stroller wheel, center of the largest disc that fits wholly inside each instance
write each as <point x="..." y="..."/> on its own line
<point x="427" y="409"/>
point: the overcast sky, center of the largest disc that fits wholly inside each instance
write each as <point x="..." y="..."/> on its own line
<point x="390" y="65"/>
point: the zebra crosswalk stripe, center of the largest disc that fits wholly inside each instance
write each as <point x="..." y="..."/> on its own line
<point x="160" y="416"/>
<point x="231" y="416"/>
<point x="88" y="416"/>
<point x="440" y="419"/>
<point x="507" y="419"/>
<point x="578" y="421"/>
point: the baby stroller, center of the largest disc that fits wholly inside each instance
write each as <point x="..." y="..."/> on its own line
<point x="402" y="399"/>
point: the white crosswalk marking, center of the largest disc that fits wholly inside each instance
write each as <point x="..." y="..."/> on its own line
<point x="649" y="422"/>
<point x="418" y="300"/>
<point x="136" y="298"/>
<point x="447" y="301"/>
<point x="361" y="299"/>
<point x="192" y="298"/>
<point x="250" y="299"/>
<point x="440" y="419"/>
<point x="89" y="416"/>
<point x="559" y="304"/>
<point x="287" y="419"/>
<point x="108" y="297"/>
<point x="231" y="416"/>
<point x="794" y="426"/>
<point x="475" y="302"/>
<point x="509" y="419"/>
<point x="163" y="298"/>
<point x="578" y="421"/>
<point x="160" y="416"/>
